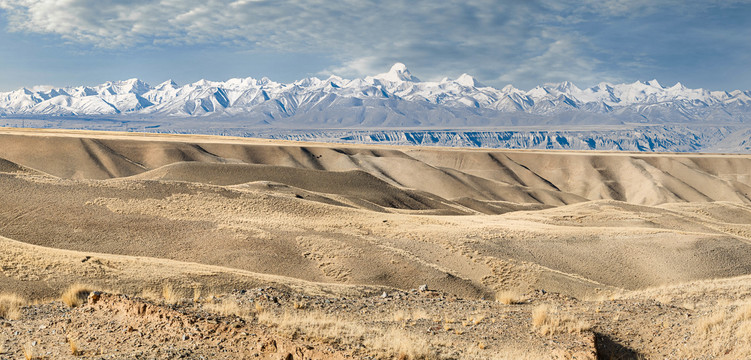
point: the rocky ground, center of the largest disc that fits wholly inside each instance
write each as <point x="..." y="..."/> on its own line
<point x="273" y="323"/>
<point x="270" y="323"/>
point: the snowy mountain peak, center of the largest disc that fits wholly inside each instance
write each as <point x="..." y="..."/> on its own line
<point x="654" y="83"/>
<point x="202" y="83"/>
<point x="468" y="81"/>
<point x="564" y="87"/>
<point x="398" y="67"/>
<point x="508" y="88"/>
<point x="397" y="73"/>
<point x="170" y="83"/>
<point x="134" y="86"/>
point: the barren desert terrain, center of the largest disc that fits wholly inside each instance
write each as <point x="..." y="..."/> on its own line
<point x="219" y="247"/>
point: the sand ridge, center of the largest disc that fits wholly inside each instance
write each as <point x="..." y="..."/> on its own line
<point x="278" y="208"/>
<point x="491" y="175"/>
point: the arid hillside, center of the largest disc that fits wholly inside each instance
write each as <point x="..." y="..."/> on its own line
<point x="129" y="213"/>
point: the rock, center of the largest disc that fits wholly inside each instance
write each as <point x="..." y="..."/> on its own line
<point x="384" y="295"/>
<point x="269" y="346"/>
<point x="94" y="297"/>
<point x="186" y="337"/>
<point x="423" y="287"/>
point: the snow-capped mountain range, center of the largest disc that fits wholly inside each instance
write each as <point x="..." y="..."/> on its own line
<point x="395" y="98"/>
<point x="397" y="108"/>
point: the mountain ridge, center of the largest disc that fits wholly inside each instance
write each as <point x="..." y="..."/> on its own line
<point x="396" y="107"/>
<point x="270" y="101"/>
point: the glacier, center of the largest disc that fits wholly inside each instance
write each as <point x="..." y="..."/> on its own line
<point x="396" y="107"/>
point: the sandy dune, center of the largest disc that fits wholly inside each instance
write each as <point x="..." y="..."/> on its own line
<point x="130" y="211"/>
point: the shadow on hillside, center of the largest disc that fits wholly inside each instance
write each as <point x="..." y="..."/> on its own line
<point x="609" y="349"/>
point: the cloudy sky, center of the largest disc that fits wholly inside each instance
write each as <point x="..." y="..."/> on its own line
<point x="525" y="43"/>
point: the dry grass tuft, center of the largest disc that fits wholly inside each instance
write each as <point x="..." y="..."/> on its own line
<point x="405" y="315"/>
<point x="227" y="307"/>
<point x="76" y="295"/>
<point x="477" y="319"/>
<point x="398" y="342"/>
<point x="196" y="294"/>
<point x="171" y="295"/>
<point x="393" y="343"/>
<point x="743" y="312"/>
<point x="28" y="352"/>
<point x="10" y="306"/>
<point x="299" y="305"/>
<point x="259" y="308"/>
<point x="150" y="294"/>
<point x="168" y="294"/>
<point x="540" y="315"/>
<point x="509" y="298"/>
<point x="706" y="324"/>
<point x="74" y="350"/>
<point x="549" y="322"/>
<point x="400" y="316"/>
<point x="744" y="330"/>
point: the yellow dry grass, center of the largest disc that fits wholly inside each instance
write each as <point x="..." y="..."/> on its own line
<point x="196" y="294"/>
<point x="227" y="307"/>
<point x="540" y="315"/>
<point x="171" y="295"/>
<point x="707" y="323"/>
<point x="509" y="297"/>
<point x="74" y="349"/>
<point x="299" y="305"/>
<point x="10" y="306"/>
<point x="76" y="295"/>
<point x="744" y="312"/>
<point x="724" y="332"/>
<point x="259" y="308"/>
<point x="28" y="352"/>
<point x="393" y="343"/>
<point x="549" y="321"/>
<point x="744" y="331"/>
<point x="477" y="319"/>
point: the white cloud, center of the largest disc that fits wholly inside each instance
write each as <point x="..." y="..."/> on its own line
<point x="356" y="67"/>
<point x="362" y="34"/>
<point x="521" y="42"/>
<point x="561" y="59"/>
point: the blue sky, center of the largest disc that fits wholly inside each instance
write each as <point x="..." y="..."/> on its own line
<point x="524" y="43"/>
